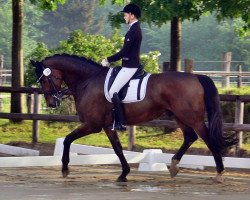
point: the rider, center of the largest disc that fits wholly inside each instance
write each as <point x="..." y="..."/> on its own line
<point x="130" y="55"/>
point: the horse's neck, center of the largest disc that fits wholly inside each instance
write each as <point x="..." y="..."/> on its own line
<point x="75" y="72"/>
<point x="75" y="78"/>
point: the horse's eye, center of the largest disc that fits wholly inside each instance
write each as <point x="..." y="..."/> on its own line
<point x="43" y="81"/>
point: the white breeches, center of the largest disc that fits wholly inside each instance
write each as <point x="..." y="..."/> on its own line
<point x="124" y="75"/>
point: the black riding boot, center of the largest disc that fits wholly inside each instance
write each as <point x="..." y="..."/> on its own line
<point x="118" y="114"/>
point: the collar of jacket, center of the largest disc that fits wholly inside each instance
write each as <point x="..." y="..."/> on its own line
<point x="131" y="24"/>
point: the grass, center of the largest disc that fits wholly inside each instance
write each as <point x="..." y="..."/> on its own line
<point x="244" y="90"/>
<point x="49" y="132"/>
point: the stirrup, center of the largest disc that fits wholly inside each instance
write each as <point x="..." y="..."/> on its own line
<point x="118" y="126"/>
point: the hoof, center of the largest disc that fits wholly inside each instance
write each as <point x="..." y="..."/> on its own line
<point x="174" y="169"/>
<point x="218" y="178"/>
<point x="65" y="173"/>
<point x="122" y="180"/>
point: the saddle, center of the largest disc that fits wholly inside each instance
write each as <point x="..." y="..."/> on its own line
<point x="139" y="74"/>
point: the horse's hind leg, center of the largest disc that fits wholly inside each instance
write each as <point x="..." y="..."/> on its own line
<point x="189" y="138"/>
<point x="78" y="133"/>
<point x="113" y="137"/>
<point x="202" y="130"/>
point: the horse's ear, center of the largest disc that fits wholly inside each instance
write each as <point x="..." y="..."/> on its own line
<point x="38" y="68"/>
<point x="33" y="63"/>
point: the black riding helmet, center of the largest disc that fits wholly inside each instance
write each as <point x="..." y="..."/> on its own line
<point x="132" y="8"/>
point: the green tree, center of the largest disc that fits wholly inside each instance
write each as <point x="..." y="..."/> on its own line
<point x="203" y="40"/>
<point x="73" y="15"/>
<point x="231" y="9"/>
<point x="158" y="12"/>
<point x="30" y="32"/>
<point x="17" y="48"/>
<point x="39" y="53"/>
<point x="5" y="27"/>
<point x="47" y="4"/>
<point x="207" y="40"/>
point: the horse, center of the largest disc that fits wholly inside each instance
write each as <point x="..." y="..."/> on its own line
<point x="188" y="97"/>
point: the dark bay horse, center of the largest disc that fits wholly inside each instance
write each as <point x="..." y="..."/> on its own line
<point x="187" y="96"/>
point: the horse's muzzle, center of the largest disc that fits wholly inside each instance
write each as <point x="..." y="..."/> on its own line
<point x="54" y="103"/>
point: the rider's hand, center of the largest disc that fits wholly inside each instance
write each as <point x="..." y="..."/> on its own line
<point x="105" y="63"/>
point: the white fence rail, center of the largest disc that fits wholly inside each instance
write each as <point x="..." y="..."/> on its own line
<point x="17" y="151"/>
<point x="101" y="156"/>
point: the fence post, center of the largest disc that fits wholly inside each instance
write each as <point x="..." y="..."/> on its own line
<point x="227" y="58"/>
<point x="166" y="66"/>
<point x="30" y="100"/>
<point x="239" y="82"/>
<point x="131" y="137"/>
<point x="1" y="80"/>
<point x="189" y="65"/>
<point x="239" y="115"/>
<point x="35" y="127"/>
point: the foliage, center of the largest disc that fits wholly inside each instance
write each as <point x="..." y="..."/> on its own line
<point x="203" y="40"/>
<point x="158" y="12"/>
<point x="48" y="4"/>
<point x="150" y="61"/>
<point x="244" y="90"/>
<point x="30" y="33"/>
<point x="231" y="9"/>
<point x="219" y="38"/>
<point x="5" y="30"/>
<point x="228" y="108"/>
<point x="49" y="132"/>
<point x="95" y="47"/>
<point x="39" y="53"/>
<point x="73" y="15"/>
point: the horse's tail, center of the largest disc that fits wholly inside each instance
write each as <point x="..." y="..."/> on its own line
<point x="214" y="115"/>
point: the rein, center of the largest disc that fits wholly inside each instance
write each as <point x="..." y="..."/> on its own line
<point x="57" y="94"/>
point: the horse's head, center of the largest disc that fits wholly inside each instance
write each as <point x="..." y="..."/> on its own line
<point x="51" y="82"/>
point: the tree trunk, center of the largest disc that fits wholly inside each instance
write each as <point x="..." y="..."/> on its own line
<point x="17" y="55"/>
<point x="175" y="57"/>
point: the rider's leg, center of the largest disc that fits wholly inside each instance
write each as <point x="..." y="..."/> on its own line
<point x="118" y="114"/>
<point x="124" y="75"/>
<point x="122" y="78"/>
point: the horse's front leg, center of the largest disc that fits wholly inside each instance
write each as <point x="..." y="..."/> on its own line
<point x="116" y="144"/>
<point x="78" y="133"/>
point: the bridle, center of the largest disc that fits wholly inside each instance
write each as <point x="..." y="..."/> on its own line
<point x="58" y="94"/>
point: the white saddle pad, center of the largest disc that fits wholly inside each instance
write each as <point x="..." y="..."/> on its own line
<point x="131" y="95"/>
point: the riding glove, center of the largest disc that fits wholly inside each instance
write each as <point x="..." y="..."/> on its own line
<point x="105" y="63"/>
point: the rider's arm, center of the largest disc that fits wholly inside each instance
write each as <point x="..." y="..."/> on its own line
<point x="128" y="43"/>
